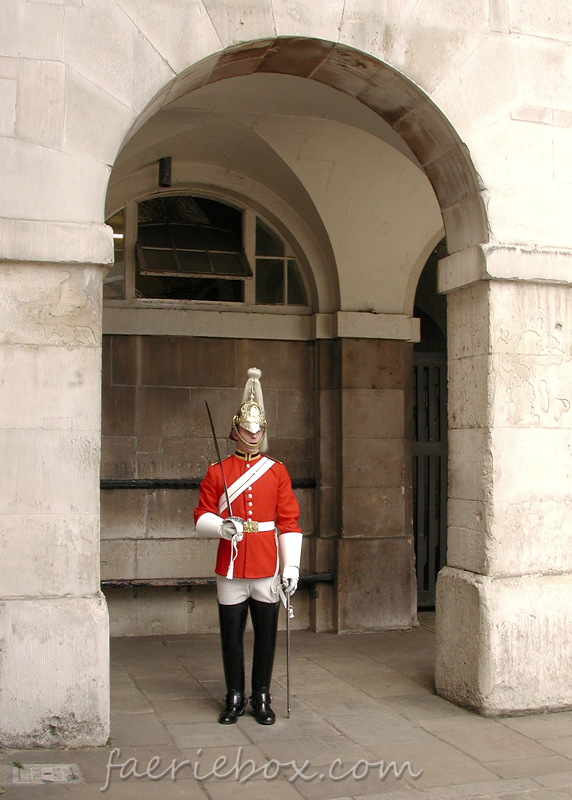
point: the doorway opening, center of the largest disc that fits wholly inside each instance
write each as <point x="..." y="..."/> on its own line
<point x="430" y="432"/>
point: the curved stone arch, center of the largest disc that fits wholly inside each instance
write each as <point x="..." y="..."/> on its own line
<point x="396" y="99"/>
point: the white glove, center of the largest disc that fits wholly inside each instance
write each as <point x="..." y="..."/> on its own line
<point x="232" y="527"/>
<point x="290" y="545"/>
<point x="290" y="577"/>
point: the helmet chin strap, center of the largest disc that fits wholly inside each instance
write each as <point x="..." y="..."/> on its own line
<point x="248" y="444"/>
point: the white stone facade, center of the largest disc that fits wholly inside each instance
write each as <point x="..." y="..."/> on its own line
<point x="368" y="130"/>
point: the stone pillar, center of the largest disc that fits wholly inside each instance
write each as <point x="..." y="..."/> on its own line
<point x="54" y="645"/>
<point x="375" y="571"/>
<point x="504" y="617"/>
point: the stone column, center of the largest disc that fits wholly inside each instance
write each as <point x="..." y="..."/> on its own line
<point x="375" y="578"/>
<point x="54" y="645"/>
<point x="504" y="617"/>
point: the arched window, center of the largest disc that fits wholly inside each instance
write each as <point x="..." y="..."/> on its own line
<point x="189" y="247"/>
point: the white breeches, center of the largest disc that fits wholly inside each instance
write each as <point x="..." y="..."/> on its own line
<point x="237" y="590"/>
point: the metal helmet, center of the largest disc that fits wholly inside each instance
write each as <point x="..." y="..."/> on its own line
<point x="251" y="415"/>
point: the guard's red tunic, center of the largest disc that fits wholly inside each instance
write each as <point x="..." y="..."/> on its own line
<point x="270" y="498"/>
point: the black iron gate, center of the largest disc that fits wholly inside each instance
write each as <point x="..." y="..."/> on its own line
<point x="430" y="471"/>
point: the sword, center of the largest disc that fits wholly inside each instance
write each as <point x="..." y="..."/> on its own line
<point x="219" y="459"/>
<point x="289" y="614"/>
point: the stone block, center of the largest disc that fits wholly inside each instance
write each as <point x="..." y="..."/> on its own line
<point x="41" y="102"/>
<point x="187" y="361"/>
<point x="47" y="555"/>
<point x="530" y="537"/>
<point x="162" y="411"/>
<point x="49" y="242"/>
<point x="468" y="539"/>
<point x="530" y="158"/>
<point x="530" y="391"/>
<point x="161" y="611"/>
<point x="180" y="458"/>
<point x="118" y="414"/>
<point x="328" y="413"/>
<point x="296" y="454"/>
<point x="329" y="511"/>
<point x="530" y="319"/>
<point x="7" y="106"/>
<point x="202" y="610"/>
<point x="373" y="512"/>
<point x="106" y="360"/>
<point x="50" y="305"/>
<point x="467" y="321"/>
<point x="50" y="388"/>
<point x="531" y="464"/>
<point x="31" y="30"/>
<point x="375" y="584"/>
<point x="542" y="86"/>
<point x="374" y="364"/>
<point x="322" y="555"/>
<point x="238" y="23"/>
<point x="95" y="122"/>
<point x="504" y="644"/>
<point x="470" y="463"/>
<point x="305" y="498"/>
<point x="176" y="558"/>
<point x="329" y="462"/>
<point x="45" y="184"/>
<point x="493" y="69"/>
<point x="180" y="39"/>
<point x="118" y="559"/>
<point x="470" y="389"/>
<point x="122" y="609"/>
<point x="125" y="359"/>
<point x="294" y="414"/>
<point x="153" y="72"/>
<point x="461" y="29"/>
<point x="328" y="357"/>
<point x="223" y="404"/>
<point x="304" y="20"/>
<point x="373" y="413"/>
<point x="284" y="365"/>
<point x="170" y="513"/>
<point x="118" y="455"/>
<point x="563" y="153"/>
<point x="67" y="706"/>
<point x="98" y="41"/>
<point x="373" y="463"/>
<point x="50" y="472"/>
<point x="123" y="513"/>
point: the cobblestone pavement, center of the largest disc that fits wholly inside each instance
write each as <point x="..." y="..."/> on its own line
<point x="360" y="704"/>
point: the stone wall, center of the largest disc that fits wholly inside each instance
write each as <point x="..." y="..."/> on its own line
<point x="155" y="426"/>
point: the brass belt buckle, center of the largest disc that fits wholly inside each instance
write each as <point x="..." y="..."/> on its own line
<point x="251" y="526"/>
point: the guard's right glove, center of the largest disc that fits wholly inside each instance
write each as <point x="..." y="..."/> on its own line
<point x="290" y="545"/>
<point x="232" y="527"/>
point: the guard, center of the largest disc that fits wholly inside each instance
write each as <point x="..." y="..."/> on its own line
<point x="247" y="502"/>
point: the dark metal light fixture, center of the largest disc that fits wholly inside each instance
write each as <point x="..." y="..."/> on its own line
<point x="165" y="171"/>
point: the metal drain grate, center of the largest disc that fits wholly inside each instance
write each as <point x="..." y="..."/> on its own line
<point x="44" y="774"/>
<point x="427" y="620"/>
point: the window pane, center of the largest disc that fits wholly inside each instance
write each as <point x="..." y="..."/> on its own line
<point x="268" y="243"/>
<point x="114" y="281"/>
<point x="187" y="236"/>
<point x="230" y="264"/>
<point x="154" y="235"/>
<point x="225" y="241"/>
<point x="151" y="260"/>
<point x="269" y="281"/>
<point x="296" y="288"/>
<point x="191" y="261"/>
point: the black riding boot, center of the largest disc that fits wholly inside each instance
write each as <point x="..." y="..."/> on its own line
<point x="265" y="623"/>
<point x="232" y="621"/>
